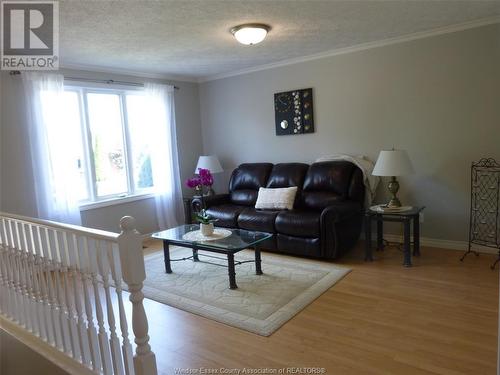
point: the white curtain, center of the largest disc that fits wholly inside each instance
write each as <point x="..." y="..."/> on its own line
<point x="160" y="119"/>
<point x="54" y="173"/>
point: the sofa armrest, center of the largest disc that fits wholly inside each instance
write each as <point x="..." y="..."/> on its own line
<point x="197" y="203"/>
<point x="340" y="227"/>
<point x="340" y="211"/>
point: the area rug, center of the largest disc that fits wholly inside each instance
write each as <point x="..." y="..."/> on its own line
<point x="261" y="304"/>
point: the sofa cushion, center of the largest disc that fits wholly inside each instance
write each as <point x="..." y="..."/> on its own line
<point x="334" y="176"/>
<point x="276" y="198"/>
<point x="287" y="174"/>
<point x="326" y="183"/>
<point x="226" y="215"/>
<point x="246" y="181"/>
<point x="318" y="200"/>
<point x="299" y="223"/>
<point x="259" y="220"/>
<point x="244" y="197"/>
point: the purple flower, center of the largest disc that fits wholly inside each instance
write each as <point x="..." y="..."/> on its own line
<point x="206" y="178"/>
<point x="202" y="172"/>
<point x="193" y="182"/>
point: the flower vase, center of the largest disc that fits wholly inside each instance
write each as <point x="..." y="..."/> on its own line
<point x="210" y="192"/>
<point x="207" y="229"/>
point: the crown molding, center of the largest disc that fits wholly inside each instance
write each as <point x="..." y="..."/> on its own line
<point x="132" y="73"/>
<point x="358" y="47"/>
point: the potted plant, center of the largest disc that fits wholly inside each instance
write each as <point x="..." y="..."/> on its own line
<point x="204" y="179"/>
<point x="206" y="223"/>
<point x="195" y="183"/>
<point x="207" y="180"/>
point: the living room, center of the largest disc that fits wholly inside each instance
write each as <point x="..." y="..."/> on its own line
<point x="419" y="80"/>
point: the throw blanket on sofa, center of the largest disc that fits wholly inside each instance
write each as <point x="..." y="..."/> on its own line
<point x="366" y="165"/>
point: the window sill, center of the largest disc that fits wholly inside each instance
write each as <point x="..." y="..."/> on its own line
<point x="114" y="201"/>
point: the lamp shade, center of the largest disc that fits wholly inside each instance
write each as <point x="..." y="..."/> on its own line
<point x="392" y="163"/>
<point x="209" y="162"/>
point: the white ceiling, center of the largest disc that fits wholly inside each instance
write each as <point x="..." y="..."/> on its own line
<point x="192" y="39"/>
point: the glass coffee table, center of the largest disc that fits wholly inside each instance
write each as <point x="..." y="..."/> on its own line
<point x="238" y="240"/>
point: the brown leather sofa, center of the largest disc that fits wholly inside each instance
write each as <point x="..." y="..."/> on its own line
<point x="328" y="210"/>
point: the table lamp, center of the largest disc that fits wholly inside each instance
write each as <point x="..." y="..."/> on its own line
<point x="211" y="163"/>
<point x="393" y="163"/>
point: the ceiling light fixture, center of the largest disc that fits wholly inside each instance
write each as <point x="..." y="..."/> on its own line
<point x="250" y="33"/>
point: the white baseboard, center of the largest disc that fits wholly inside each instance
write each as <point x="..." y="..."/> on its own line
<point x="424" y="241"/>
<point x="444" y="244"/>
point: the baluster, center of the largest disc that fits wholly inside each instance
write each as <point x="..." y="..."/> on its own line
<point x="62" y="303"/>
<point x="117" y="278"/>
<point x="72" y="314"/>
<point x="3" y="290"/>
<point x="10" y="270"/>
<point x="134" y="274"/>
<point x="22" y="259"/>
<point x="64" y="313"/>
<point x="107" y="367"/>
<point x="82" y="330"/>
<point x="37" y="295"/>
<point x="38" y="302"/>
<point x="50" y="264"/>
<point x="41" y="263"/>
<point x="28" y="282"/>
<point x="13" y="264"/>
<point x="17" y="277"/>
<point x="18" y="317"/>
<point x="86" y="279"/>
<point x="41" y="296"/>
<point x="6" y="308"/>
<point x="22" y="275"/>
<point x="4" y="305"/>
<point x="102" y="258"/>
<point x="54" y="276"/>
<point x="30" y="278"/>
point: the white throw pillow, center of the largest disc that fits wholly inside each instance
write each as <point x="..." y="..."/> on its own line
<point x="278" y="199"/>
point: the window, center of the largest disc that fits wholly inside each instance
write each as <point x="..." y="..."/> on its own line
<point x="111" y="143"/>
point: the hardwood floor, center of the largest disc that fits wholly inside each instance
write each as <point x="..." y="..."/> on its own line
<point x="438" y="317"/>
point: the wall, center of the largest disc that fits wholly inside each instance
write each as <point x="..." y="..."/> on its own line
<point x="108" y="217"/>
<point x="437" y="97"/>
<point x="1" y="120"/>
<point x="16" y="178"/>
<point x="17" y="195"/>
<point x="18" y="359"/>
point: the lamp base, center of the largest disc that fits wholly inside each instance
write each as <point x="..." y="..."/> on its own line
<point x="393" y="187"/>
<point x="394" y="203"/>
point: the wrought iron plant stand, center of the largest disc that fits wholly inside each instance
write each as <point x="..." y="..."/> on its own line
<point x="484" y="227"/>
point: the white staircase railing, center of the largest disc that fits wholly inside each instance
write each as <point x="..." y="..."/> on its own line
<point x="63" y="284"/>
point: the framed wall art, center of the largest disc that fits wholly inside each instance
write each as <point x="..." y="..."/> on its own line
<point x="293" y="112"/>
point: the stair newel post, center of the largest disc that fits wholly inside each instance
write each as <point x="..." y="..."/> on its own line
<point x="134" y="274"/>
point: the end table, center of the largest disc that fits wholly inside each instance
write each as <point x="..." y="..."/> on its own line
<point x="192" y="205"/>
<point x="405" y="217"/>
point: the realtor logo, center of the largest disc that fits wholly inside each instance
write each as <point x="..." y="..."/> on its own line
<point x="29" y="35"/>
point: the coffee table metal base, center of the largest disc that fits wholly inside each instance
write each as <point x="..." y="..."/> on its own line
<point x="231" y="263"/>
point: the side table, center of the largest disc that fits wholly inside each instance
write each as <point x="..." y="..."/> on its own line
<point x="195" y="203"/>
<point x="405" y="217"/>
<point x="192" y="205"/>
